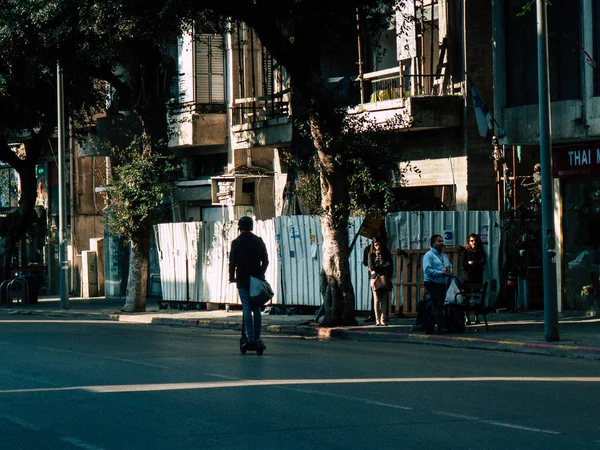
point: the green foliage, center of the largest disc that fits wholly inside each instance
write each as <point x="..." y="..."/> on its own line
<point x="372" y="162"/>
<point x="141" y="179"/>
<point x="527" y="7"/>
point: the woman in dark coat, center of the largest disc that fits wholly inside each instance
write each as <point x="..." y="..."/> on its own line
<point x="474" y="259"/>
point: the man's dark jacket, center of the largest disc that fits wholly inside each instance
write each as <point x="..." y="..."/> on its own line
<point x="248" y="256"/>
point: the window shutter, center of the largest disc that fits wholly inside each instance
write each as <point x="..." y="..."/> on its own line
<point x="210" y="70"/>
<point x="217" y="70"/>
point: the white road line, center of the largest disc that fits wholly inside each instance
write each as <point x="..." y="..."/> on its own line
<point x="390" y="405"/>
<point x="19" y="422"/>
<point x="518" y="427"/>
<point x="110" y="358"/>
<point x="80" y="444"/>
<point x="312" y="391"/>
<point x="345" y="397"/>
<point x="455" y="416"/>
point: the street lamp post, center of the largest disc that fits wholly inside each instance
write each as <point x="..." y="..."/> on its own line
<point x="63" y="262"/>
<point x="548" y="233"/>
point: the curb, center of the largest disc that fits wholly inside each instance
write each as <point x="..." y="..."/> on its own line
<point x="338" y="333"/>
<point x="568" y="351"/>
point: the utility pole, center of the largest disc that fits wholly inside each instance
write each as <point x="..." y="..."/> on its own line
<point x="548" y="233"/>
<point x="63" y="263"/>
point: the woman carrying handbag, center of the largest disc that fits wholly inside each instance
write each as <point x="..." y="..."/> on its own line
<point x="380" y="272"/>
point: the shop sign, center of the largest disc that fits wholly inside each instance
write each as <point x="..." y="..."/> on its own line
<point x="575" y="161"/>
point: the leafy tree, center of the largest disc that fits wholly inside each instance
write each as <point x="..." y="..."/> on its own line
<point x="125" y="44"/>
<point x="140" y="180"/>
<point x="303" y="35"/>
<point x="28" y="109"/>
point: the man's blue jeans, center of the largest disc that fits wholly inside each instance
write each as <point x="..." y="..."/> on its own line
<point x="252" y="324"/>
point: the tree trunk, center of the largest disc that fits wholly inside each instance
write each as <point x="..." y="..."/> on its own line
<point x="339" y="299"/>
<point x="137" y="283"/>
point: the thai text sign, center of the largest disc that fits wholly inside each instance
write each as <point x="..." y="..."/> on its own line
<point x="580" y="160"/>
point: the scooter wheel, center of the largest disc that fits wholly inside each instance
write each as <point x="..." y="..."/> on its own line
<point x="259" y="350"/>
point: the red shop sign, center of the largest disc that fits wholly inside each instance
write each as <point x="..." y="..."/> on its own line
<point x="576" y="161"/>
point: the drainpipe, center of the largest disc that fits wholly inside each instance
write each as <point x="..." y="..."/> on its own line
<point x="229" y="88"/>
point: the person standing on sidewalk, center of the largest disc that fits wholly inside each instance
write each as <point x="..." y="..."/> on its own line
<point x="248" y="256"/>
<point x="380" y="264"/>
<point x="473" y="260"/>
<point x="436" y="272"/>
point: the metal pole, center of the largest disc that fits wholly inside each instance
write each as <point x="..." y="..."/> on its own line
<point x="361" y="73"/>
<point x="548" y="244"/>
<point x="63" y="263"/>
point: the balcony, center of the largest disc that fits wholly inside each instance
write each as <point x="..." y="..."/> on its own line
<point x="196" y="124"/>
<point x="253" y="110"/>
<point x="262" y="121"/>
<point x="426" y="101"/>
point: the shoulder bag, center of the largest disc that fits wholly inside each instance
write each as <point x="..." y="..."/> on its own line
<point x="260" y="291"/>
<point x="381" y="282"/>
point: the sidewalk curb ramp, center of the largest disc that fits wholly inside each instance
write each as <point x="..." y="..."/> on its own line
<point x="312" y="331"/>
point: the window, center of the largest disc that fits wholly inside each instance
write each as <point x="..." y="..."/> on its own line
<point x="521" y="53"/>
<point x="210" y="70"/>
<point x="596" y="25"/>
<point x="9" y="188"/>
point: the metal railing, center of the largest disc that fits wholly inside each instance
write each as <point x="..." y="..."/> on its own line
<point x="389" y="84"/>
<point x="258" y="109"/>
<point x="14" y="291"/>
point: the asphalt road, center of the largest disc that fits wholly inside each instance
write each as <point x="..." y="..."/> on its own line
<point x="107" y="385"/>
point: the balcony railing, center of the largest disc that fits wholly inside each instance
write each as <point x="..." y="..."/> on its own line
<point x="390" y="84"/>
<point x="259" y="109"/>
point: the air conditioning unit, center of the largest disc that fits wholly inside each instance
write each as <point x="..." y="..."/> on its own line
<point x="232" y="190"/>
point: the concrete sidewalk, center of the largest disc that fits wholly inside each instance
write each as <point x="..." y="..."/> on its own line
<point x="521" y="332"/>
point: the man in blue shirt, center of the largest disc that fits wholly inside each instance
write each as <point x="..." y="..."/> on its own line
<point x="436" y="270"/>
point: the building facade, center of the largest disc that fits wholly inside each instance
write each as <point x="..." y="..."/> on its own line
<point x="574" y="51"/>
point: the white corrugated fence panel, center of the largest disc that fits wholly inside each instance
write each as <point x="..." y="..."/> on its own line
<point x="180" y="257"/>
<point x="266" y="230"/>
<point x="192" y="235"/>
<point x="216" y="240"/>
<point x="358" y="272"/>
<point x="300" y="256"/>
<point x="166" y="261"/>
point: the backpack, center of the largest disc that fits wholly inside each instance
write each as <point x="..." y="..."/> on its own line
<point x="451" y="319"/>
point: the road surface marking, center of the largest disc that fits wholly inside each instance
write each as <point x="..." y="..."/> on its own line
<point x="110" y="358"/>
<point x="19" y="422"/>
<point x="157" y="387"/>
<point x="80" y="444"/>
<point x="518" y="427"/>
<point x="455" y="416"/>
